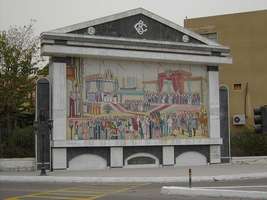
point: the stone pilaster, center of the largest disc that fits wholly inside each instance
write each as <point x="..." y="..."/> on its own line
<point x="116" y="156"/>
<point x="214" y="111"/>
<point x="59" y="158"/>
<point x="168" y="155"/>
<point x="57" y="73"/>
<point x="59" y="98"/>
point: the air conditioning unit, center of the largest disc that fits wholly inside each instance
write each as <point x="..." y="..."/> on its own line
<point x="239" y="119"/>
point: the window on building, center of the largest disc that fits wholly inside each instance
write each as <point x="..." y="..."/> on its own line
<point x="211" y="36"/>
<point x="237" y="86"/>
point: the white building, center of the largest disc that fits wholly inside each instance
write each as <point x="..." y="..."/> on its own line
<point x="133" y="89"/>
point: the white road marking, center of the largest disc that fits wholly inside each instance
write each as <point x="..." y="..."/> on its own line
<point x="209" y="192"/>
<point x="239" y="186"/>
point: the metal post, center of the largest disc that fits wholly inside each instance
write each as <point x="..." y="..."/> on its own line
<point x="35" y="127"/>
<point x="43" y="172"/>
<point x="35" y="130"/>
<point x="190" y="177"/>
<point x="50" y="127"/>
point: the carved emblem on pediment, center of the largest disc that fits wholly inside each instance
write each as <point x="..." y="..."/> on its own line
<point x="91" y="30"/>
<point x="140" y="27"/>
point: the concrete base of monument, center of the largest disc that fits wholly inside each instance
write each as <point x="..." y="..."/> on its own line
<point x="145" y="154"/>
<point x="197" y="192"/>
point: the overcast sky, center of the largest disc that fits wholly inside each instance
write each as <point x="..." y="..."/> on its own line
<point x="51" y="14"/>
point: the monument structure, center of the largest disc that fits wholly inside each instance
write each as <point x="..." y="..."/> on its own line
<point x="133" y="89"/>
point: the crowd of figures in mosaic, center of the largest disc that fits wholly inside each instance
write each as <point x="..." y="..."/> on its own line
<point x="116" y="102"/>
<point x="140" y="127"/>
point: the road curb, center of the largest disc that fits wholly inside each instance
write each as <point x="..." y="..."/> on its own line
<point x="196" y="192"/>
<point x="71" y="179"/>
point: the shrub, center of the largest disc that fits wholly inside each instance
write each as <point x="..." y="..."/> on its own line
<point x="249" y="144"/>
<point x="19" y="144"/>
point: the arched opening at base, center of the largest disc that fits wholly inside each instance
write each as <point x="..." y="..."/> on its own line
<point x="191" y="158"/>
<point x="142" y="160"/>
<point x="87" y="161"/>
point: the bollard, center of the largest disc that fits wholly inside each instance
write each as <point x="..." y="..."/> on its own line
<point x="190" y="177"/>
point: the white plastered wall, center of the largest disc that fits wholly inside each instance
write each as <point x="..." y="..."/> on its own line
<point x="116" y="156"/>
<point x="59" y="107"/>
<point x="168" y="155"/>
<point x="214" y="113"/>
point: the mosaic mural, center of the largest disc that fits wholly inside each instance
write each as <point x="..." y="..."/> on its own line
<point x="135" y="100"/>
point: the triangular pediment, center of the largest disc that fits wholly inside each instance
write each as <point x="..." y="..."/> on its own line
<point x="136" y="24"/>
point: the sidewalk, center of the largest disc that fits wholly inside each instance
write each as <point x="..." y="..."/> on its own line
<point x="165" y="174"/>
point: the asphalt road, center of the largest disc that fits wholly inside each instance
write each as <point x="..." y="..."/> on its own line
<point x="120" y="191"/>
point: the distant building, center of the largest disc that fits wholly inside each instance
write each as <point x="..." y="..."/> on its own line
<point x="245" y="80"/>
<point x="133" y="89"/>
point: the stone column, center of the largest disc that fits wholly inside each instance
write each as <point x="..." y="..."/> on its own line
<point x="214" y="112"/>
<point x="116" y="156"/>
<point x="59" y="108"/>
<point x="168" y="155"/>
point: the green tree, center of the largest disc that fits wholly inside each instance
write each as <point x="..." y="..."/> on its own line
<point x="19" y="56"/>
<point x="44" y="71"/>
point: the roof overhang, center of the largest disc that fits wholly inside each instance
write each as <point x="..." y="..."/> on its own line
<point x="76" y="45"/>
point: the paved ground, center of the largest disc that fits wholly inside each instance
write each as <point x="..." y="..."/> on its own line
<point x="207" y="170"/>
<point x="120" y="191"/>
